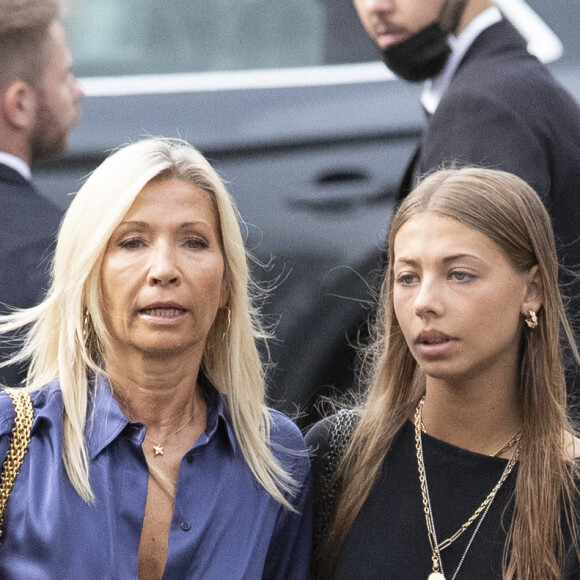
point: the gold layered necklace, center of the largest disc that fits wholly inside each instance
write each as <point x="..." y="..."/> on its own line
<point x="437" y="547"/>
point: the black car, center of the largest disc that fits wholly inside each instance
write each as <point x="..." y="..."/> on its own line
<point x="311" y="133"/>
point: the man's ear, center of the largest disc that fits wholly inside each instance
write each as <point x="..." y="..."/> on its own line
<point x="19" y="104"/>
<point x="534" y="292"/>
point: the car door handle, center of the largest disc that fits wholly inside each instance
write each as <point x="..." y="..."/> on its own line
<point x="333" y="192"/>
<point x="346" y="176"/>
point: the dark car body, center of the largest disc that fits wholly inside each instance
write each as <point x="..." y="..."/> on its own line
<point x="311" y="133"/>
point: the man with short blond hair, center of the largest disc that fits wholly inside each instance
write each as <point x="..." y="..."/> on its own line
<point x="39" y="98"/>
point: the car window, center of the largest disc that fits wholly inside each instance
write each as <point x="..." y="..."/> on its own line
<point x="112" y="37"/>
<point x="109" y="37"/>
<point x="129" y="37"/>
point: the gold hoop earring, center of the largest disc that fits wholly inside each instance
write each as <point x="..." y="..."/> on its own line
<point x="90" y="336"/>
<point x="86" y="325"/>
<point x="229" y="321"/>
<point x="531" y="319"/>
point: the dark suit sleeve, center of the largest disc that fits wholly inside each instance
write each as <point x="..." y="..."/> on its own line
<point x="484" y="130"/>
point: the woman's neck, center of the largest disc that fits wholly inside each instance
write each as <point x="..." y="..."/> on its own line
<point x="478" y="417"/>
<point x="159" y="392"/>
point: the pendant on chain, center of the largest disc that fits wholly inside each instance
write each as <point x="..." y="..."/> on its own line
<point x="436" y="576"/>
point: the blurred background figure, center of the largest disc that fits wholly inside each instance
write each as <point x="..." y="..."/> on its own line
<point x="39" y="105"/>
<point x="488" y="101"/>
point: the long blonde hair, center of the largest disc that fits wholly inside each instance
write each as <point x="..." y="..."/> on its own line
<point x="68" y="334"/>
<point x="508" y="211"/>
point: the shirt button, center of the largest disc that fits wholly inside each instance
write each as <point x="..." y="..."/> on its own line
<point x="185" y="526"/>
<point x="189" y="458"/>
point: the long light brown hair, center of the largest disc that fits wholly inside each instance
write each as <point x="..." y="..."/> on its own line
<point x="504" y="208"/>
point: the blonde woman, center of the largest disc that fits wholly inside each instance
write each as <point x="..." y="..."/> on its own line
<point x="461" y="462"/>
<point x="152" y="453"/>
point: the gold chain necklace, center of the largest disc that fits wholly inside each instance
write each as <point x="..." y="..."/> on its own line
<point x="436" y="547"/>
<point x="513" y="441"/>
<point x="502" y="449"/>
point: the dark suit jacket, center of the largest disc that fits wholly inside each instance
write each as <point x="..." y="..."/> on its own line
<point x="504" y="110"/>
<point x="28" y="228"/>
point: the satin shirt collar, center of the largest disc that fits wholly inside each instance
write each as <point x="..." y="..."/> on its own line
<point x="106" y="420"/>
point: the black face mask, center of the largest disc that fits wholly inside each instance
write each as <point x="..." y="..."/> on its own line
<point x="421" y="56"/>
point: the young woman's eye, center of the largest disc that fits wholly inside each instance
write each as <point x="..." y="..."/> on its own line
<point x="462" y="276"/>
<point x="406" y="279"/>
<point x="131" y="243"/>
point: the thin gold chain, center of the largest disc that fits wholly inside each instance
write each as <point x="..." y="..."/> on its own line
<point x="513" y="441"/>
<point x="435" y="545"/>
<point x="158" y="449"/>
<point x="501" y="450"/>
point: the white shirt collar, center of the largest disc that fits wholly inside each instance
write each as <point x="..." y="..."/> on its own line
<point x="435" y="88"/>
<point x="17" y="164"/>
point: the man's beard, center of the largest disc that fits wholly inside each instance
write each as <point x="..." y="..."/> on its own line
<point x="421" y="56"/>
<point x="49" y="140"/>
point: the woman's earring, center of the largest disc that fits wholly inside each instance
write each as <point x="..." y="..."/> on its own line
<point x="86" y="325"/>
<point x="89" y="335"/>
<point x="229" y="321"/>
<point x="531" y="319"/>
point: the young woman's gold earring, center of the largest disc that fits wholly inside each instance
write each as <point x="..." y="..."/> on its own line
<point x="531" y="319"/>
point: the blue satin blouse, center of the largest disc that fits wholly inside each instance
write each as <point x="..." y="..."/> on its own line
<point x="224" y="526"/>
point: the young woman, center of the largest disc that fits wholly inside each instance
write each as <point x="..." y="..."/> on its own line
<point x="460" y="463"/>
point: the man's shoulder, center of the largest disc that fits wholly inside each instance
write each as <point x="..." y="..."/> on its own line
<point x="24" y="209"/>
<point x="511" y="86"/>
<point x="498" y="67"/>
<point x="11" y="180"/>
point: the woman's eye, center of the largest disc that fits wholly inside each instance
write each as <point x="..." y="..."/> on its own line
<point x="462" y="276"/>
<point x="196" y="243"/>
<point x="406" y="279"/>
<point x="131" y="244"/>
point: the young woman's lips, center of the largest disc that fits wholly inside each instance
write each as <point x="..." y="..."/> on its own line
<point x="434" y="344"/>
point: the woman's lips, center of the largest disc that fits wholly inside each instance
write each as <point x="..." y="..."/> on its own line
<point x="434" y="344"/>
<point x="162" y="314"/>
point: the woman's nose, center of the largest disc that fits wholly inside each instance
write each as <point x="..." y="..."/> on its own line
<point x="163" y="269"/>
<point x="428" y="299"/>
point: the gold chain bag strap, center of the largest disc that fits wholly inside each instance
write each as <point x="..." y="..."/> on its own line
<point x="18" y="447"/>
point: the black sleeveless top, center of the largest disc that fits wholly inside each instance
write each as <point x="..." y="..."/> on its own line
<point x="389" y="540"/>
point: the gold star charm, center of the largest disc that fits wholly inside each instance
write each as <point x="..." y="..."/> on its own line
<point x="158" y="450"/>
